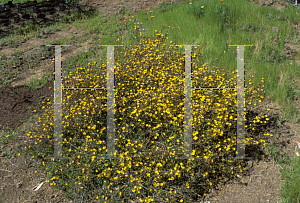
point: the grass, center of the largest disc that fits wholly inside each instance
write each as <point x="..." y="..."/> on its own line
<point x="150" y="121"/>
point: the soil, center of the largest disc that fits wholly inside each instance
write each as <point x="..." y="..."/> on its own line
<point x="18" y="179"/>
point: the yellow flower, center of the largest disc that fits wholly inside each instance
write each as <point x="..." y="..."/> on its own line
<point x="202" y="6"/>
<point x="190" y="3"/>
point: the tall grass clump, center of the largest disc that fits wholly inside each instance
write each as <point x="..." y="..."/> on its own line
<point x="291" y="182"/>
<point x="149" y="134"/>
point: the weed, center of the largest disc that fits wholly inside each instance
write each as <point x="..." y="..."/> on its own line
<point x="291" y="93"/>
<point x="277" y="155"/>
<point x="198" y="9"/>
<point x="223" y="13"/>
<point x="38" y="83"/>
<point x="166" y="6"/>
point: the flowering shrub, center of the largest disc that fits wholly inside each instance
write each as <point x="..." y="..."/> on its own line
<point x="149" y="136"/>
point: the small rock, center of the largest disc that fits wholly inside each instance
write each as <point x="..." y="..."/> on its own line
<point x="275" y="28"/>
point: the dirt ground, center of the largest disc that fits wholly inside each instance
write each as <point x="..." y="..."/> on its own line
<point x="18" y="179"/>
